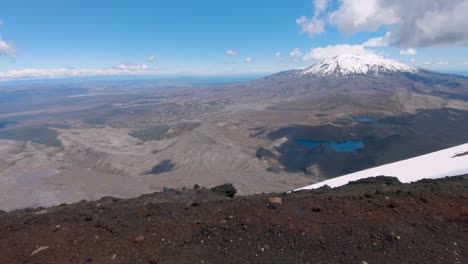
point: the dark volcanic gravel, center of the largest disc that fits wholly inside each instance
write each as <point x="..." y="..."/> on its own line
<point x="369" y="222"/>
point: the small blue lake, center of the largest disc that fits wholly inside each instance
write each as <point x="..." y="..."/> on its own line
<point x="346" y="146"/>
<point x="364" y="119"/>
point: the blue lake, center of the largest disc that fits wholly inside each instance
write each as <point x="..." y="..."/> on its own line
<point x="364" y="119"/>
<point x="346" y="146"/>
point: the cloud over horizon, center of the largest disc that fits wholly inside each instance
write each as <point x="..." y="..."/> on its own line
<point x="121" y="69"/>
<point x="335" y="50"/>
<point x="416" y="23"/>
<point x="408" y="52"/>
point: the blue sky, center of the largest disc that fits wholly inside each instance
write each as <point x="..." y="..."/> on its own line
<point x="192" y="37"/>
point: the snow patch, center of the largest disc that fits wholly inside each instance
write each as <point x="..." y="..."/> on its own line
<point x="440" y="164"/>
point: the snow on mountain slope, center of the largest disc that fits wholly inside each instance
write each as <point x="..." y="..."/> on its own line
<point x="352" y="64"/>
<point x="447" y="162"/>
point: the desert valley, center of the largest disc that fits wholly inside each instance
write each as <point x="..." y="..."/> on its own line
<point x="68" y="141"/>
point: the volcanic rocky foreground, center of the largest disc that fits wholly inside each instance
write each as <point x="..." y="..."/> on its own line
<point x="376" y="220"/>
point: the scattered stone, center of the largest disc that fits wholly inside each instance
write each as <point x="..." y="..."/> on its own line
<point x="168" y="190"/>
<point x="56" y="228"/>
<point x="227" y="190"/>
<point x="41" y="212"/>
<point x="275" y="200"/>
<point x="139" y="239"/>
<point x="316" y="209"/>
<point x="39" y="249"/>
<point x="204" y="231"/>
<point x="193" y="202"/>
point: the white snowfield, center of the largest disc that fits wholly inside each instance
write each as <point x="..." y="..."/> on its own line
<point x="352" y="64"/>
<point x="434" y="165"/>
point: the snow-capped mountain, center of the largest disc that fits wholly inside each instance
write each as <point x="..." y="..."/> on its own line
<point x="353" y="64"/>
<point x="443" y="163"/>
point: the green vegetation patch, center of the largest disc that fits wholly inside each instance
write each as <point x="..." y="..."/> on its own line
<point x="37" y="134"/>
<point x="150" y="134"/>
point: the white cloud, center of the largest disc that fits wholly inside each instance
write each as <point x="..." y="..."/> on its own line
<point x="427" y="63"/>
<point x="152" y="58"/>
<point x="278" y="54"/>
<point x="413" y="60"/>
<point x="7" y="48"/>
<point x="248" y="59"/>
<point x="409" y="52"/>
<point x="379" y="41"/>
<point x="435" y="23"/>
<point x="311" y="27"/>
<point x="232" y="53"/>
<point x="131" y="67"/>
<point x="296" y="53"/>
<point x="442" y="63"/>
<point x="315" y="25"/>
<point x="332" y="51"/>
<point x="365" y="15"/>
<point x="320" y="6"/>
<point x="121" y="69"/>
<point x="466" y="63"/>
<point x="415" y="23"/>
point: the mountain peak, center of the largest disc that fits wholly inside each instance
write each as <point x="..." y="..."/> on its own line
<point x="357" y="64"/>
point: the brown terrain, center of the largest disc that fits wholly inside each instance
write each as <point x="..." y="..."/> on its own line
<point x="370" y="221"/>
<point x="64" y="142"/>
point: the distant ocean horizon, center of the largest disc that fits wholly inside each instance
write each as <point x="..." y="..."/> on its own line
<point x="195" y="80"/>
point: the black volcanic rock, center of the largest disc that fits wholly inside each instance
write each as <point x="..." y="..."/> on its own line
<point x="410" y="223"/>
<point x="227" y="190"/>
<point x="385" y="180"/>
